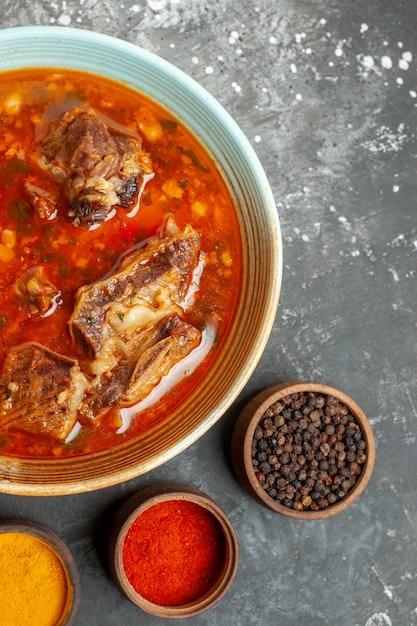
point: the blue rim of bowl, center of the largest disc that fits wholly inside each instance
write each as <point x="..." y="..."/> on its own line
<point x="76" y="48"/>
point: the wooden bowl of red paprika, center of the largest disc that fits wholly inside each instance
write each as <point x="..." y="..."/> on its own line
<point x="173" y="551"/>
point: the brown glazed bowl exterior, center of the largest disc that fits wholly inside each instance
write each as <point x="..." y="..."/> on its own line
<point x="41" y="46"/>
<point x="67" y="561"/>
<point x="242" y="443"/>
<point x="136" y="505"/>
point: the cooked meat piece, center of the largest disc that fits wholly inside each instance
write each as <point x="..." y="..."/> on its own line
<point x="177" y="340"/>
<point x="105" y="392"/>
<point x="34" y="291"/>
<point x="40" y="391"/>
<point x="129" y="323"/>
<point x="149" y="284"/>
<point x="100" y="167"/>
<point x="43" y="201"/>
<point x="160" y="348"/>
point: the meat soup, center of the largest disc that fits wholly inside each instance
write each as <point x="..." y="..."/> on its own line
<point x="120" y="258"/>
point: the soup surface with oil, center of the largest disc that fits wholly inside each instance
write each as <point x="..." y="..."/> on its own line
<point x="120" y="263"/>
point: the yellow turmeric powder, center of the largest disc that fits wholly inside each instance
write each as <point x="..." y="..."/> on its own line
<point x="34" y="589"/>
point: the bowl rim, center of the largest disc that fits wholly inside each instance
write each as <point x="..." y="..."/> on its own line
<point x="244" y="430"/>
<point x="18" y="40"/>
<point x="61" y="551"/>
<point x="145" y="499"/>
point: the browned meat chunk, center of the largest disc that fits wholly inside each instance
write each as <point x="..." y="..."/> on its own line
<point x="105" y="392"/>
<point x="44" y="202"/>
<point x="40" y="391"/>
<point x="162" y="346"/>
<point x="149" y="285"/>
<point x="100" y="166"/>
<point x="177" y="340"/>
<point x="129" y="324"/>
<point x="34" y="291"/>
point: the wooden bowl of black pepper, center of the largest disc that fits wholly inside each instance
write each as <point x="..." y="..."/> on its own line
<point x="304" y="450"/>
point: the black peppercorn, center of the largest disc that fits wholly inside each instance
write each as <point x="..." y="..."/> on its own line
<point x="308" y="451"/>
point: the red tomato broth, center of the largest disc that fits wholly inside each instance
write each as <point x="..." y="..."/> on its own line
<point x="186" y="184"/>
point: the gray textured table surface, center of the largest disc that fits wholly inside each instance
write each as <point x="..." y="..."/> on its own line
<point x="326" y="91"/>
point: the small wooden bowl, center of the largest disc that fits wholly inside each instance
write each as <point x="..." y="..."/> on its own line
<point x="147" y="498"/>
<point x="244" y="433"/>
<point x="69" y="576"/>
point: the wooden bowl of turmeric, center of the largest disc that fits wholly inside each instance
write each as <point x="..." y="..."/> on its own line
<point x="173" y="551"/>
<point x="39" y="581"/>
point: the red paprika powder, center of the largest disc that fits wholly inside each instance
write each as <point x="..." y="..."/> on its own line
<point x="174" y="552"/>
